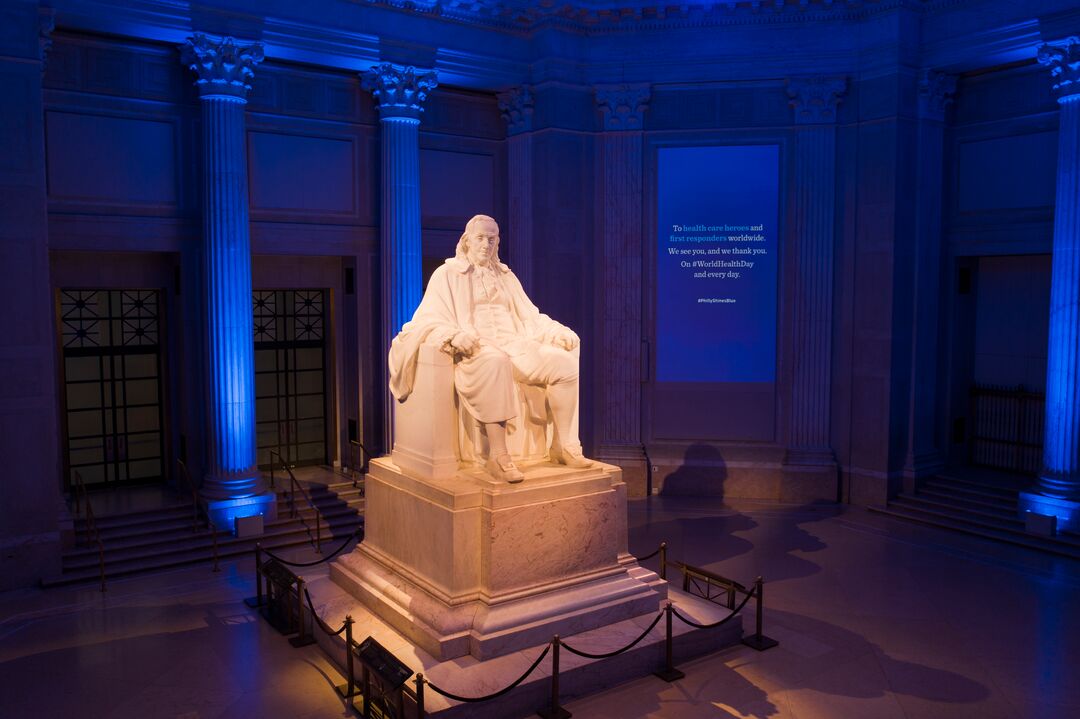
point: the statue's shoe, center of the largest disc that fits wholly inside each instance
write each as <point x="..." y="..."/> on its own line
<point x="572" y="458"/>
<point x="503" y="468"/>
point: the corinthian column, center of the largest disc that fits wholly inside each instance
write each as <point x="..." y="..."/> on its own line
<point x="810" y="465"/>
<point x="517" y="110"/>
<point x="233" y="485"/>
<point x="620" y="160"/>
<point x="1058" y="489"/>
<point x="400" y="94"/>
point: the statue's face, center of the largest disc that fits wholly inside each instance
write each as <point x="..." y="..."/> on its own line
<point x="480" y="247"/>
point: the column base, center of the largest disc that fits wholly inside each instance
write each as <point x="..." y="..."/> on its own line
<point x="1067" y="511"/>
<point x="224" y="512"/>
<point x="809" y="474"/>
<point x="918" y="467"/>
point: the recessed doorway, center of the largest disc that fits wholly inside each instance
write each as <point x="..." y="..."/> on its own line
<point x="111" y="365"/>
<point x="290" y="375"/>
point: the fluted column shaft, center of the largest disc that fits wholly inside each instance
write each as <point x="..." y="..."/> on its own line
<point x="400" y="232"/>
<point x="224" y="70"/>
<point x="814" y="202"/>
<point x="923" y="458"/>
<point x="620" y="418"/>
<point x="619" y="162"/>
<point x="815" y="101"/>
<point x="516" y="106"/>
<point x="399" y="93"/>
<point x="1057" y="492"/>
<point x="1061" y="450"/>
<point x="520" y="168"/>
<point x="231" y="469"/>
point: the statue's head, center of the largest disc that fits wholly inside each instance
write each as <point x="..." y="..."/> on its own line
<point x="479" y="243"/>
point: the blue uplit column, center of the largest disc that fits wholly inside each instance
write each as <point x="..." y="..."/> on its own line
<point x="517" y="110"/>
<point x="1058" y="489"/>
<point x="810" y="465"/>
<point x="233" y="485"/>
<point x="400" y="94"/>
<point x="619" y="158"/>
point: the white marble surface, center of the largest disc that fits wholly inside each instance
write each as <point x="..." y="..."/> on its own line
<point x="468" y="565"/>
<point x="469" y="676"/>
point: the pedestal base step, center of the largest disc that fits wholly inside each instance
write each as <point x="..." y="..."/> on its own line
<point x="578" y="677"/>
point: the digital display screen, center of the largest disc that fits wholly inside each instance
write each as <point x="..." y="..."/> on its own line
<point x="716" y="264"/>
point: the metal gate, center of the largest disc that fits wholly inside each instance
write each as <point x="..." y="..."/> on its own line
<point x="111" y="367"/>
<point x="290" y="375"/>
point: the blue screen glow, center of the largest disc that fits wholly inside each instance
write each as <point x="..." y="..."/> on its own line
<point x="716" y="267"/>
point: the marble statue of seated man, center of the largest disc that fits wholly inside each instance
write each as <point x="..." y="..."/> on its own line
<point x="475" y="310"/>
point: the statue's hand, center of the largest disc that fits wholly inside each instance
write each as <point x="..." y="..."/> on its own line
<point x="566" y="338"/>
<point x="465" y="343"/>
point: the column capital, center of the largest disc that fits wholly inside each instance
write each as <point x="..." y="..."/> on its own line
<point x="936" y="90"/>
<point x="1063" y="59"/>
<point x="516" y="106"/>
<point x="623" y="105"/>
<point x="399" y="91"/>
<point x="815" y="99"/>
<point x="224" y="68"/>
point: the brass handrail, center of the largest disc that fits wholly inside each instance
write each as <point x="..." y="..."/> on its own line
<point x="185" y="475"/>
<point x="356" y="468"/>
<point x="294" y="484"/>
<point x="93" y="535"/>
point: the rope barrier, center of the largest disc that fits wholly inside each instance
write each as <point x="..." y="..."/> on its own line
<point x="328" y="557"/>
<point x="627" y="648"/>
<point x="649" y="556"/>
<point x="694" y="624"/>
<point x="322" y="625"/>
<point x="499" y="693"/>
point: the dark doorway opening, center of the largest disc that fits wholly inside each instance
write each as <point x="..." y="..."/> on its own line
<point x="290" y="375"/>
<point x="112" y="377"/>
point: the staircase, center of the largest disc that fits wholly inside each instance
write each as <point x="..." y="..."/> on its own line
<point x="982" y="507"/>
<point x="153" y="540"/>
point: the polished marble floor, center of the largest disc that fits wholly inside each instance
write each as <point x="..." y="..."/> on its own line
<point x="875" y="618"/>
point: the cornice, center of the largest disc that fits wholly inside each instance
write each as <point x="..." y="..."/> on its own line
<point x="590" y="18"/>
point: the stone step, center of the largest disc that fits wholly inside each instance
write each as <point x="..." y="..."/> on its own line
<point x="128" y="519"/>
<point x="167" y="535"/>
<point x="1065" y="545"/>
<point x="1008" y="506"/>
<point x="991" y="496"/>
<point x="204" y="543"/>
<point x="578" y="676"/>
<point x="1004" y="487"/>
<point x="139" y="524"/>
<point x="201" y="555"/>
<point x="967" y="508"/>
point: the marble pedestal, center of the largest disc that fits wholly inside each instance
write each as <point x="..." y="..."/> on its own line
<point x="467" y="565"/>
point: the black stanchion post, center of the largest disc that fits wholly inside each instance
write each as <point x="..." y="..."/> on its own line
<point x="669" y="673"/>
<point x="554" y="711"/>
<point x="420" y="696"/>
<point x="366" y="696"/>
<point x="663" y="560"/>
<point x="257" y="600"/>
<point x="759" y="641"/>
<point x="348" y="689"/>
